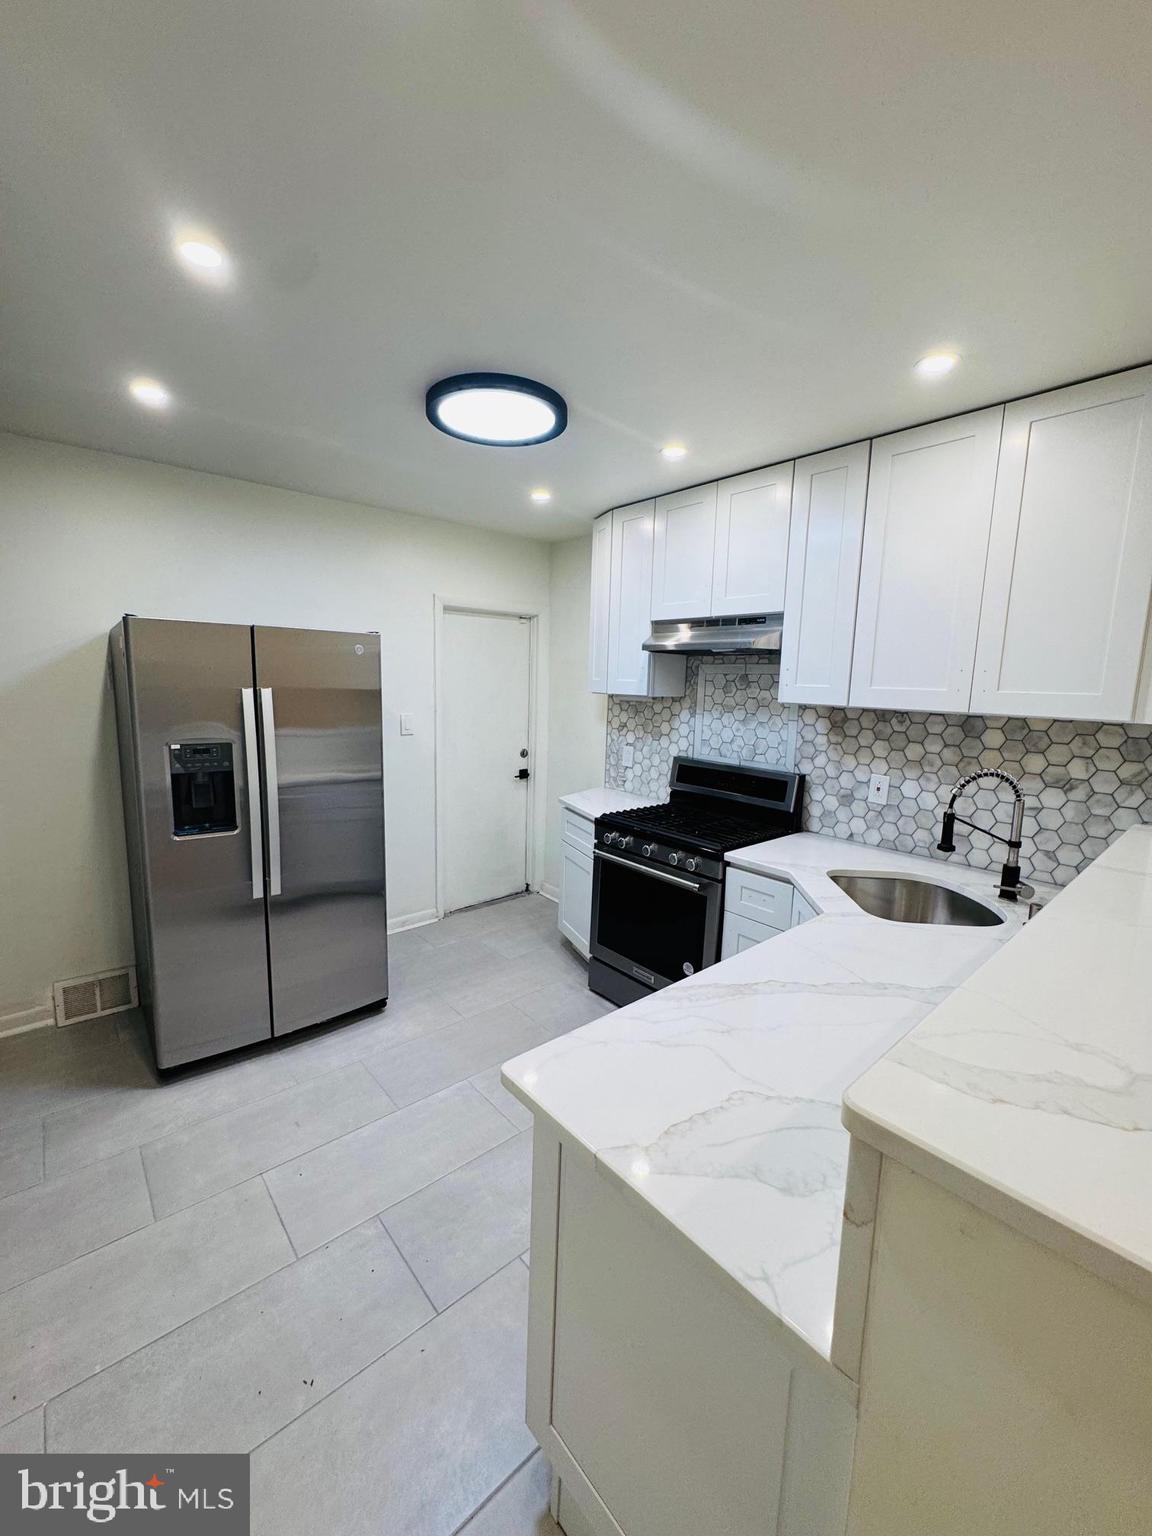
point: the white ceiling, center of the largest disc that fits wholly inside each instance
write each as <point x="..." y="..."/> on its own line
<point x="735" y="223"/>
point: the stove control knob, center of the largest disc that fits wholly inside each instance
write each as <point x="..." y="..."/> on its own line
<point x="609" y="838"/>
<point x="623" y="842"/>
<point x="673" y="858"/>
<point x="691" y="866"/>
<point x="648" y="850"/>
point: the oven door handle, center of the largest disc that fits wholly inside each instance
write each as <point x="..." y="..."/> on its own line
<point x="644" y="869"/>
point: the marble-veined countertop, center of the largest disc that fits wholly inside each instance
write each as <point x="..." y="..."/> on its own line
<point x="717" y="1102"/>
<point x="1029" y="1091"/>
<point x="600" y="802"/>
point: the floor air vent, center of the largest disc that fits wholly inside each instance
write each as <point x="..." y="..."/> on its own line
<point x="91" y="997"/>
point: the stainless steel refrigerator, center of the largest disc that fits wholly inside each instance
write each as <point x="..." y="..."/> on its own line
<point x="254" y="810"/>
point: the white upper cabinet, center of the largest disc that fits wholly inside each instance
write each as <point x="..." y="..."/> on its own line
<point x="1070" y="558"/>
<point x="930" y="494"/>
<point x="751" y="549"/>
<point x="632" y="669"/>
<point x="684" y="545"/>
<point x="600" y="611"/>
<point x="827" y="531"/>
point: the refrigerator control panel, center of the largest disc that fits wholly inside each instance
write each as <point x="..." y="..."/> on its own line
<point x="203" y="786"/>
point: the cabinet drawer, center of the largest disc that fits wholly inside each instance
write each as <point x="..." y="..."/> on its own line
<point x="758" y="897"/>
<point x="577" y="830"/>
<point x="741" y="933"/>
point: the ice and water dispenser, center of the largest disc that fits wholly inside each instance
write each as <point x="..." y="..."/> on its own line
<point x="203" y="787"/>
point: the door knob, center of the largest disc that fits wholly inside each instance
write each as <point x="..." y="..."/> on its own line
<point x="523" y="774"/>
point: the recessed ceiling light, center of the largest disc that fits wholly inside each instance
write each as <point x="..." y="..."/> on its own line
<point x="203" y="257"/>
<point x="540" y="495"/>
<point x="936" y="365"/>
<point x="673" y="451"/>
<point x="150" y="392"/>
<point x="499" y="409"/>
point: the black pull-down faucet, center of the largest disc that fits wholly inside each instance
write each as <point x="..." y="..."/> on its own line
<point x="1011" y="888"/>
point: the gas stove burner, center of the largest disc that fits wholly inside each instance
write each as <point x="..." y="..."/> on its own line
<point x="698" y="824"/>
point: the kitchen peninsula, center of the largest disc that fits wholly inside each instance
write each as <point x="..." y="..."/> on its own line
<point x="694" y="1181"/>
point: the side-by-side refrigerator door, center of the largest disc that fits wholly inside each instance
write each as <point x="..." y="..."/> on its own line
<point x="319" y="695"/>
<point x="193" y="722"/>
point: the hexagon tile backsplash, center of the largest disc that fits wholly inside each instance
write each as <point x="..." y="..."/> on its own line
<point x="1084" y="783"/>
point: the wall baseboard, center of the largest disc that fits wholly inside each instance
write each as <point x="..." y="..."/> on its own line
<point x="413" y="920"/>
<point x="24" y="1019"/>
<point x="549" y="892"/>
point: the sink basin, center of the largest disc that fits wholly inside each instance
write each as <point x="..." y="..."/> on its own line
<point x="901" y="900"/>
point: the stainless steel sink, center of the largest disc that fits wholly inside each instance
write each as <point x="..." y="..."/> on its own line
<point x="901" y="900"/>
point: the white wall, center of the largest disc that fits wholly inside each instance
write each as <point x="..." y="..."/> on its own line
<point x="577" y="719"/>
<point x="86" y="537"/>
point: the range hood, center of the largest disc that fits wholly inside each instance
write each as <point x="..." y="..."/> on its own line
<point x="752" y="634"/>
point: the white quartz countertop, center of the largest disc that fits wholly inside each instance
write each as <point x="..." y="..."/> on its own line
<point x="717" y="1102"/>
<point x="1029" y="1092"/>
<point x="600" y="802"/>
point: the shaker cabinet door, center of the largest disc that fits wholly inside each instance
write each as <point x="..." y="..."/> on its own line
<point x="930" y="494"/>
<point x="575" y="916"/>
<point x="827" y="531"/>
<point x="1070" y="558"/>
<point x="631" y="595"/>
<point x="600" y="606"/>
<point x="683" y="548"/>
<point x="751" y="553"/>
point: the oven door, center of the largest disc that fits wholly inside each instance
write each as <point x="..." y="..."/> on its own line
<point x="654" y="925"/>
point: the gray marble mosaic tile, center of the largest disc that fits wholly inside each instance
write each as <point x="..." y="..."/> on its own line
<point x="1085" y="783"/>
<point x="644" y="735"/>
<point x="739" y="715"/>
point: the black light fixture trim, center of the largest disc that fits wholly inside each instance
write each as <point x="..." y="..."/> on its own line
<point x="459" y="383"/>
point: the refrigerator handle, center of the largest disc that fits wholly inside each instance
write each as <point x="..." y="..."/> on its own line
<point x="271" y="791"/>
<point x="251" y="779"/>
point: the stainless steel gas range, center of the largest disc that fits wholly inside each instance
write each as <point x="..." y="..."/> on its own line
<point x="658" y="872"/>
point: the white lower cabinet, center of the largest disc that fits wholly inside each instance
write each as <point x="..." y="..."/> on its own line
<point x="802" y="910"/>
<point x="741" y="933"/>
<point x="669" y="1403"/>
<point x="758" y="907"/>
<point x="759" y="898"/>
<point x="575" y="919"/>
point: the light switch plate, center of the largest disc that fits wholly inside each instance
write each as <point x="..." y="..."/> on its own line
<point x="406" y="726"/>
<point x="878" y="789"/>
<point x="627" y="755"/>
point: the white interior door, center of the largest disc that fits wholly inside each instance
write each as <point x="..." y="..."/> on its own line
<point x="482" y="745"/>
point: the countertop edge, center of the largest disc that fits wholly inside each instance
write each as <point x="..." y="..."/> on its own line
<point x="1045" y="1227"/>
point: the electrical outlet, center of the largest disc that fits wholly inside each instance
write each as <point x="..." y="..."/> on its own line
<point x="627" y="755"/>
<point x="878" y="789"/>
<point x="406" y="726"/>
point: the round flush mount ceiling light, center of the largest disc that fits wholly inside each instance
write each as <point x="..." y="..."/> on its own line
<point x="936" y="365"/>
<point x="150" y="393"/>
<point x="500" y="409"/>
<point x="541" y="495"/>
<point x="673" y="452"/>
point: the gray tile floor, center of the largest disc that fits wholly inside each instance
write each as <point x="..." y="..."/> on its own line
<point x="312" y="1252"/>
